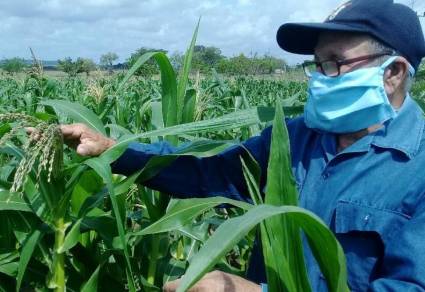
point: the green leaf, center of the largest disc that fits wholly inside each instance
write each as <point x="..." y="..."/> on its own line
<point x="117" y="131"/>
<point x="91" y="284"/>
<point x="77" y="113"/>
<point x="184" y="211"/>
<point x="156" y="120"/>
<point x="143" y="59"/>
<point x="280" y="230"/>
<point x="104" y="225"/>
<point x="169" y="90"/>
<point x="26" y="254"/>
<point x="252" y="175"/>
<point x="233" y="230"/>
<point x="72" y="237"/>
<point x="9" y="269"/>
<point x="168" y="85"/>
<point x="125" y="184"/>
<point x="184" y="77"/>
<point x="230" y="121"/>
<point x="92" y="202"/>
<point x="104" y="170"/>
<point x="198" y="149"/>
<point x="89" y="183"/>
<point x="13" y="201"/>
<point x="189" y="106"/>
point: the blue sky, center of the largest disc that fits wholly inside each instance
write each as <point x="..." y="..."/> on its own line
<point x="89" y="28"/>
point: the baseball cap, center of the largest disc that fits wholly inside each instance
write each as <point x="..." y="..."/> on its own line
<point x="394" y="24"/>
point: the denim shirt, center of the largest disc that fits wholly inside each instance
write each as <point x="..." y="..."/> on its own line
<point x="371" y="194"/>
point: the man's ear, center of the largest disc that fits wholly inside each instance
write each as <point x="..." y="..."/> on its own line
<point x="394" y="78"/>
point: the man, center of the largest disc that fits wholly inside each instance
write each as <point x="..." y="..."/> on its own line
<point x="358" y="153"/>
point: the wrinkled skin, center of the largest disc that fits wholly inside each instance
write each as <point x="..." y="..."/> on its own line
<point x="86" y="141"/>
<point x="217" y="282"/>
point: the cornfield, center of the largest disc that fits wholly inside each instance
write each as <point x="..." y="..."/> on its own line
<point x="69" y="223"/>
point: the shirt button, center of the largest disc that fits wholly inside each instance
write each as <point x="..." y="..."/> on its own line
<point x="325" y="175"/>
<point x="366" y="218"/>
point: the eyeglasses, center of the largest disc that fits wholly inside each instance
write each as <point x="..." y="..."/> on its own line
<point x="332" y="68"/>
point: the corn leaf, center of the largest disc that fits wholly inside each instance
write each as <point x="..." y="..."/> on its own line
<point x="13" y="202"/>
<point x="182" y="105"/>
<point x="142" y="60"/>
<point x="26" y="254"/>
<point x="9" y="269"/>
<point x="168" y="86"/>
<point x="233" y="230"/>
<point x="189" y="106"/>
<point x="91" y="284"/>
<point x="77" y="113"/>
<point x="275" y="262"/>
<point x="184" y="211"/>
<point x="169" y="90"/>
<point x="72" y="237"/>
<point x="234" y="120"/>
<point x="105" y="172"/>
<point x="280" y="231"/>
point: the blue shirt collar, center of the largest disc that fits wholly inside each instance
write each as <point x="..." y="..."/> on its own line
<point x="403" y="133"/>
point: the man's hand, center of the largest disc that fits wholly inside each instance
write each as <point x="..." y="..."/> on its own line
<point x="86" y="141"/>
<point x="217" y="282"/>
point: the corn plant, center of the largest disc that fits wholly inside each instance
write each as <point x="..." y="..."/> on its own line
<point x="280" y="229"/>
<point x="44" y="147"/>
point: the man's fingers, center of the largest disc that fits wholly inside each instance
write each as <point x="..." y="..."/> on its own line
<point x="31" y="131"/>
<point x="86" y="141"/>
<point x="73" y="131"/>
<point x="171" y="286"/>
<point x="88" y="148"/>
<point x="70" y="131"/>
<point x="84" y="150"/>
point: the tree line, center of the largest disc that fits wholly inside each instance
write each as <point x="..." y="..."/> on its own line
<point x="204" y="59"/>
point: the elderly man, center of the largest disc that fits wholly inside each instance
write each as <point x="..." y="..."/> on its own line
<point x="358" y="152"/>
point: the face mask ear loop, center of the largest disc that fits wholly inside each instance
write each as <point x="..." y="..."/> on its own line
<point x="391" y="60"/>
<point x="388" y="62"/>
<point x="412" y="71"/>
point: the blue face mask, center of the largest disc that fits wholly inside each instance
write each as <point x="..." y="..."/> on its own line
<point x="350" y="102"/>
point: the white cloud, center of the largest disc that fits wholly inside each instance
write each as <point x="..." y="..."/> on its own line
<point x="89" y="28"/>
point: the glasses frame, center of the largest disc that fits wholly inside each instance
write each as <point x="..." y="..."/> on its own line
<point x="340" y="63"/>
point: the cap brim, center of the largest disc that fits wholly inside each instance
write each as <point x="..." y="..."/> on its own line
<point x="301" y="38"/>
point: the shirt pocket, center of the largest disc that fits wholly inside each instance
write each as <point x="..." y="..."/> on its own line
<point x="363" y="231"/>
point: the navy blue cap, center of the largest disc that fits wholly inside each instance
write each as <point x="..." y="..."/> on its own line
<point x="393" y="24"/>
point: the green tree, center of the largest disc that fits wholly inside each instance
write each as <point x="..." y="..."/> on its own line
<point x="68" y="66"/>
<point x="107" y="60"/>
<point x="72" y="68"/>
<point x="14" y="65"/>
<point x="268" y="64"/>
<point x="243" y="65"/>
<point x="86" y="65"/>
<point x="205" y="58"/>
<point x="150" y="67"/>
<point x="238" y="65"/>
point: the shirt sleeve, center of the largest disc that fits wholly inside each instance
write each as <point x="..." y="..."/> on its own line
<point x="189" y="176"/>
<point x="403" y="265"/>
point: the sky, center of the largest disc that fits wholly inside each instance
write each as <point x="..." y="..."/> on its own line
<point x="55" y="29"/>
